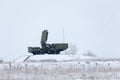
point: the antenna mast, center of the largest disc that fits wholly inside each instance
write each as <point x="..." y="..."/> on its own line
<point x="63" y="36"/>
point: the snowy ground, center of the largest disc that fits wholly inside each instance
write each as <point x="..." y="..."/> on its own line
<point x="60" y="67"/>
<point x="61" y="70"/>
<point x="58" y="75"/>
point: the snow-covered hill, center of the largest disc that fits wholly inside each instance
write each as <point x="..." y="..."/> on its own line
<point x="46" y="57"/>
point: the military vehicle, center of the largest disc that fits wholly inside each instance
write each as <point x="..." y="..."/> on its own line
<point x="47" y="48"/>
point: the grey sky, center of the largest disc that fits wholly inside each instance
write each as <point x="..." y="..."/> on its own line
<point x="90" y="24"/>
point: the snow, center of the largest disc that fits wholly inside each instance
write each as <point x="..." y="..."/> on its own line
<point x="22" y="58"/>
<point x="50" y="58"/>
<point x="53" y="57"/>
<point x="60" y="67"/>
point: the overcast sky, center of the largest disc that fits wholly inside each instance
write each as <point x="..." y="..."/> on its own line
<point x="89" y="24"/>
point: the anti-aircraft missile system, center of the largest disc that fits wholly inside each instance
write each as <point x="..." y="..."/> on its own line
<point x="47" y="48"/>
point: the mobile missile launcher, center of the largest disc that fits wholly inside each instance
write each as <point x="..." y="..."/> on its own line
<point x="47" y="48"/>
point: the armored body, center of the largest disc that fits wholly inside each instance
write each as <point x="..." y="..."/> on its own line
<point x="46" y="48"/>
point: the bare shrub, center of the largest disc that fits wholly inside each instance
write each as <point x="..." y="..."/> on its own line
<point x="72" y="50"/>
<point x="89" y="53"/>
